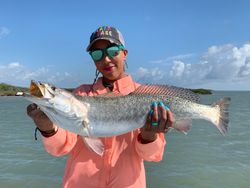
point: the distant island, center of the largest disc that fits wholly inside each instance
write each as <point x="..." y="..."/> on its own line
<point x="202" y="91"/>
<point x="10" y="90"/>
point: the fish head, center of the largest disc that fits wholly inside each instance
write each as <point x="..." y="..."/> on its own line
<point x="42" y="90"/>
<point x="59" y="105"/>
<point x="44" y="94"/>
<point x="41" y="93"/>
<point x="47" y="95"/>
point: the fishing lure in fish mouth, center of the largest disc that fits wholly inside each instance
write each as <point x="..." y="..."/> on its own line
<point x="109" y="115"/>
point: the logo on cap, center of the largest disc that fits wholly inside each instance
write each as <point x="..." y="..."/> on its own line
<point x="101" y="31"/>
<point x="108" y="33"/>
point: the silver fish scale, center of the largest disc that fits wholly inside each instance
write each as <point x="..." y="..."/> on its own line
<point x="169" y="91"/>
<point x="113" y="115"/>
<point x="137" y="104"/>
<point x="131" y="107"/>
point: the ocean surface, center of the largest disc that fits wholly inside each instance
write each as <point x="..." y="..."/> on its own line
<point x="201" y="159"/>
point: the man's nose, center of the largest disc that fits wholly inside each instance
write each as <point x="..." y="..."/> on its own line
<point x="106" y="59"/>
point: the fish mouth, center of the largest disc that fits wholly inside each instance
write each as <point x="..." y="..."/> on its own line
<point x="41" y="90"/>
<point x="37" y="89"/>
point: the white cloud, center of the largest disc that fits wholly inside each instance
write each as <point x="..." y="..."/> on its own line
<point x="220" y="65"/>
<point x="17" y="74"/>
<point x="173" y="58"/>
<point x="245" y="70"/>
<point x="153" y="74"/>
<point x="4" y="31"/>
<point x="178" y="69"/>
<point x="13" y="65"/>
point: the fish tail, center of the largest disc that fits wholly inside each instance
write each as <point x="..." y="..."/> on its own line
<point x="221" y="117"/>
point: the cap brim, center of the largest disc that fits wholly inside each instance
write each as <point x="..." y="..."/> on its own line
<point x="102" y="38"/>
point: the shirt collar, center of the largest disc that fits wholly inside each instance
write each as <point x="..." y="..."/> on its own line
<point x="124" y="86"/>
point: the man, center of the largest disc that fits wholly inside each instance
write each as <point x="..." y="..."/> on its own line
<point x="121" y="165"/>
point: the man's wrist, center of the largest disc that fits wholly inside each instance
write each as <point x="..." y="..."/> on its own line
<point x="145" y="138"/>
<point x="49" y="133"/>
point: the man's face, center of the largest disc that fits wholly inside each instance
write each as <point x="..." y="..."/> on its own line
<point x="111" y="68"/>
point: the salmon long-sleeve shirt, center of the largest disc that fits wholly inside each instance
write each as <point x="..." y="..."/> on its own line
<point x="122" y="162"/>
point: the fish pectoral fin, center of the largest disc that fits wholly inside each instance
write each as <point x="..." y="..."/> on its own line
<point x="183" y="125"/>
<point x="94" y="144"/>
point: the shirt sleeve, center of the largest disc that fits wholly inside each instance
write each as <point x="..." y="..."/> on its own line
<point x="60" y="143"/>
<point x="152" y="151"/>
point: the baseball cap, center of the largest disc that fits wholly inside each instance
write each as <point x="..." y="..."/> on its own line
<point x="106" y="33"/>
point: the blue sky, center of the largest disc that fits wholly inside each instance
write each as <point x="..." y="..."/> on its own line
<point x="188" y="43"/>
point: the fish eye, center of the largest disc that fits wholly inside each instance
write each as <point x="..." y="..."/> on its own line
<point x="51" y="86"/>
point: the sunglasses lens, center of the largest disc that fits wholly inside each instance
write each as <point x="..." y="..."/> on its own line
<point x="113" y="51"/>
<point x="96" y="55"/>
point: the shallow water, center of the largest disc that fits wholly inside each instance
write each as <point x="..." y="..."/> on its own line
<point x="203" y="158"/>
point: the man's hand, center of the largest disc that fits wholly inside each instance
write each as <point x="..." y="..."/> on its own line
<point x="40" y="118"/>
<point x="159" y="119"/>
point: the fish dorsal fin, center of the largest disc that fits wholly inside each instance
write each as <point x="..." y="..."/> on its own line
<point x="170" y="91"/>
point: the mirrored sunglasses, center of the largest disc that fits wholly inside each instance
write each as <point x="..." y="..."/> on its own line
<point x="111" y="51"/>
